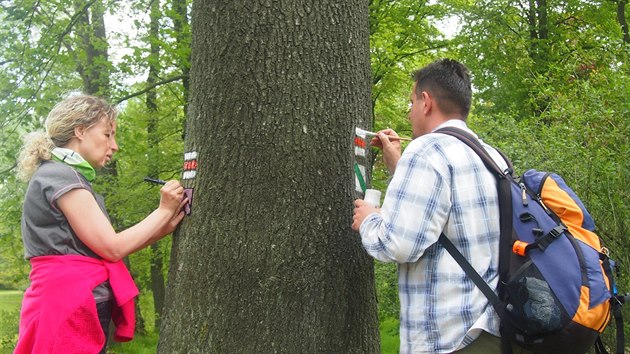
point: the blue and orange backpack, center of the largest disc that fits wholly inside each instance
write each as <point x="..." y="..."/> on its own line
<point x="556" y="287"/>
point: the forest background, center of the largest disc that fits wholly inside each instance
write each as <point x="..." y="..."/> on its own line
<point x="551" y="89"/>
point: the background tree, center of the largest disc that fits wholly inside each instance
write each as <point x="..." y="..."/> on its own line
<point x="267" y="261"/>
<point x="621" y="18"/>
<point x="90" y="46"/>
<point x="153" y="161"/>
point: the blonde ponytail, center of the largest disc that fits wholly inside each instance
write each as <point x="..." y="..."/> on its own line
<point x="36" y="148"/>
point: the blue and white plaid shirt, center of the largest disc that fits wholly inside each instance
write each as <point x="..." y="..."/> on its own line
<point x="440" y="185"/>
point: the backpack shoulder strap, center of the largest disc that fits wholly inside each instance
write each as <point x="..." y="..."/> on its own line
<point x="476" y="146"/>
<point x="472" y="273"/>
<point x="505" y="210"/>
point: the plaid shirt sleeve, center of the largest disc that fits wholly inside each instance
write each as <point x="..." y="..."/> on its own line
<point x="415" y="209"/>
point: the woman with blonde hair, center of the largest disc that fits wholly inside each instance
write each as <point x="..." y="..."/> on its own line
<point x="78" y="280"/>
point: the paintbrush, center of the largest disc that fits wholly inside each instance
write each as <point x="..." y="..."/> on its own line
<point x="363" y="133"/>
<point x="154" y="180"/>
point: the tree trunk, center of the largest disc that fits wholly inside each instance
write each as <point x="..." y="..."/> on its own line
<point x="179" y="16"/>
<point x="539" y="51"/>
<point x="153" y="137"/>
<point x="267" y="261"/>
<point x="543" y="22"/>
<point x="92" y="61"/>
<point x="621" y="18"/>
<point x="537" y="18"/>
<point x="531" y="22"/>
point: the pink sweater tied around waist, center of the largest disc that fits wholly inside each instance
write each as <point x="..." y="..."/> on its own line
<point x="58" y="310"/>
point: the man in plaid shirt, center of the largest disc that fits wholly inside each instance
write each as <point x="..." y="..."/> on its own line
<point x="438" y="185"/>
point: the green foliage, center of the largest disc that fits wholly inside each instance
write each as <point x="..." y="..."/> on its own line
<point x="402" y="37"/>
<point x="13" y="268"/>
<point x="387" y="290"/>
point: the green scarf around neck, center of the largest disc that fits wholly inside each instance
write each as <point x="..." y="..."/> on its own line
<point x="75" y="160"/>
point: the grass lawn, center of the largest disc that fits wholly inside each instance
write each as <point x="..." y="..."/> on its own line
<point x="10" y="301"/>
<point x="145" y="344"/>
<point x="390" y="342"/>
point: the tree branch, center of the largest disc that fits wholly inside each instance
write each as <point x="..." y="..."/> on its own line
<point x="8" y="169"/>
<point x="149" y="88"/>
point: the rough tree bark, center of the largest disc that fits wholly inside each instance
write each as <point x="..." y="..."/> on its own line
<point x="267" y="261"/>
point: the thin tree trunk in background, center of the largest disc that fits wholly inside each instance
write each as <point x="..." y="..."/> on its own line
<point x="267" y="261"/>
<point x="531" y="21"/>
<point x="621" y="18"/>
<point x="182" y="35"/>
<point x="543" y="22"/>
<point x="539" y="51"/>
<point x="153" y="137"/>
<point x="93" y="65"/>
<point x="537" y="18"/>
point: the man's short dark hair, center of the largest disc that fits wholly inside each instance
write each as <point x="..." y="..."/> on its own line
<point x="448" y="82"/>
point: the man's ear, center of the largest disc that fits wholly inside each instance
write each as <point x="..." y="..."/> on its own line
<point x="427" y="102"/>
